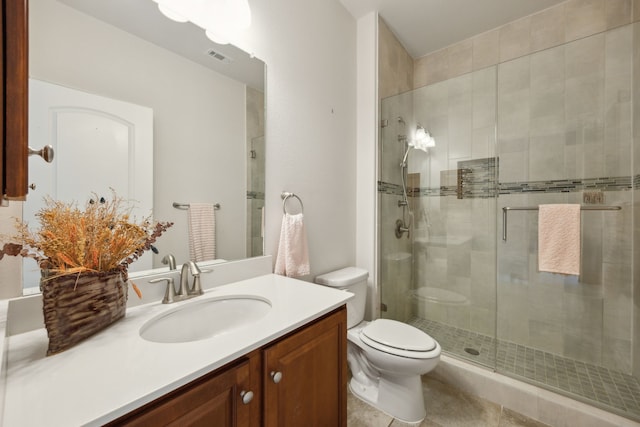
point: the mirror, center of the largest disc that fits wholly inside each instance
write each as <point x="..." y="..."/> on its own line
<point x="205" y="103"/>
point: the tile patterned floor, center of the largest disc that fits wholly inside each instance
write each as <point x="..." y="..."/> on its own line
<point x="609" y="389"/>
<point x="446" y="407"/>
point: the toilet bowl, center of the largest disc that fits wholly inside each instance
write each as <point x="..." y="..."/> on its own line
<point x="386" y="357"/>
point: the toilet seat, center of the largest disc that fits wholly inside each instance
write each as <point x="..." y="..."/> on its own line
<point x="398" y="338"/>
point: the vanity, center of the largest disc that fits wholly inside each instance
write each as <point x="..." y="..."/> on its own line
<point x="285" y="368"/>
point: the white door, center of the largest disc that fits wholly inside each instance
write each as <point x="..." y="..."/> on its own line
<point x="100" y="144"/>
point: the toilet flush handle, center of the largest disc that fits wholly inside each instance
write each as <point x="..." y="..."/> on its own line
<point x="276" y="376"/>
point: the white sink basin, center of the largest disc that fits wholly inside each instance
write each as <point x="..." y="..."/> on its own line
<point x="205" y="318"/>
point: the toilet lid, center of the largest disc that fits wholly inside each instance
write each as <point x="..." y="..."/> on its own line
<point x="397" y="335"/>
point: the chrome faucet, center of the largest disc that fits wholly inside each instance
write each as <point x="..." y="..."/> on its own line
<point x="184" y="292"/>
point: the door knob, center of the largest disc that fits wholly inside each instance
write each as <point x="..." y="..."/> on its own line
<point x="45" y="152"/>
<point x="276" y="376"/>
<point x="247" y="396"/>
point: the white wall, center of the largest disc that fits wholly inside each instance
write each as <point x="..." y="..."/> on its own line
<point x="310" y="50"/>
<point x="367" y="156"/>
<point x="309" y="47"/>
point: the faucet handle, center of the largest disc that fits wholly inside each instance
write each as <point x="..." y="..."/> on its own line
<point x="170" y="293"/>
<point x="194" y="269"/>
<point x="197" y="286"/>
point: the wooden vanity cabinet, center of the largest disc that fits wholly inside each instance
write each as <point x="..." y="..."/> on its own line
<point x="305" y="376"/>
<point x="217" y="399"/>
<point x="298" y="380"/>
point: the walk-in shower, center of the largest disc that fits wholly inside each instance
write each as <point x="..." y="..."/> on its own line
<point x="554" y="126"/>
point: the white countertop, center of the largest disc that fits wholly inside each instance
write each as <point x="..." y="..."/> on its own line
<point x="116" y="371"/>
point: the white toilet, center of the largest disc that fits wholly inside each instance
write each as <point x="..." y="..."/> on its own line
<point x="386" y="357"/>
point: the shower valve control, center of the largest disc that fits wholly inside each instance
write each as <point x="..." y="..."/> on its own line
<point x="401" y="228"/>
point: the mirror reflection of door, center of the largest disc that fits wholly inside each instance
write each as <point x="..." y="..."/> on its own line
<point x="100" y="144"/>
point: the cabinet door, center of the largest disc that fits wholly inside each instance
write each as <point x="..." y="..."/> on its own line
<point x="13" y="120"/>
<point x="214" y="400"/>
<point x="305" y="376"/>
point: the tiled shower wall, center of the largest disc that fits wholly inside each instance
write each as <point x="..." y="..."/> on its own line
<point x="564" y="114"/>
<point x="395" y="76"/>
<point x="561" y="82"/>
<point x="564" y="23"/>
<point x="636" y="197"/>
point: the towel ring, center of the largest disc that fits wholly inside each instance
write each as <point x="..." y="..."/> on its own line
<point x="285" y="195"/>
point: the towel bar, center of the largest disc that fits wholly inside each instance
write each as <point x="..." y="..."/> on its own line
<point x="286" y="195"/>
<point x="185" y="206"/>
<point x="535" y="208"/>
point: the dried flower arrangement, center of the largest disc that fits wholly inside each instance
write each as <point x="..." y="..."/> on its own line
<point x="100" y="238"/>
<point x="83" y="255"/>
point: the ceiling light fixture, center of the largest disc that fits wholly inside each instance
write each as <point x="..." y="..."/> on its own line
<point x="222" y="20"/>
<point x="423" y="139"/>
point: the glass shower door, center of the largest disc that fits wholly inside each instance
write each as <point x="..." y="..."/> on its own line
<point x="565" y="136"/>
<point x="440" y="276"/>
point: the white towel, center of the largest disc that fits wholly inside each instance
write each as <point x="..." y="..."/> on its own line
<point x="293" y="255"/>
<point x="202" y="232"/>
<point x="559" y="239"/>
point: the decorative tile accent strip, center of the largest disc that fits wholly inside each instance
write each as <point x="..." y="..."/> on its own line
<point x="617" y="183"/>
<point x="442" y="191"/>
<point x="477" y="180"/>
<point x="389" y="188"/>
<point x="255" y="195"/>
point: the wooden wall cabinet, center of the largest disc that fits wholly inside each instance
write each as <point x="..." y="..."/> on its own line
<point x="298" y="380"/>
<point x="14" y="90"/>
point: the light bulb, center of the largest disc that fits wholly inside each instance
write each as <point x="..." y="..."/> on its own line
<point x="430" y="142"/>
<point x="222" y="20"/>
<point x="423" y="139"/>
<point x="216" y="37"/>
<point x="171" y="14"/>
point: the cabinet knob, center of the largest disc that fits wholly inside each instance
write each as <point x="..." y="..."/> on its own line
<point x="276" y="376"/>
<point x="247" y="396"/>
<point x="45" y="152"/>
<point x="32" y="186"/>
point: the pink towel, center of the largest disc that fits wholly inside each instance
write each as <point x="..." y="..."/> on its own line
<point x="293" y="255"/>
<point x="202" y="232"/>
<point x="559" y="239"/>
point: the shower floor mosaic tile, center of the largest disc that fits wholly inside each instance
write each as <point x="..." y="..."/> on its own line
<point x="604" y="386"/>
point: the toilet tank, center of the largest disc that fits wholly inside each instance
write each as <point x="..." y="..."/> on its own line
<point x="350" y="279"/>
